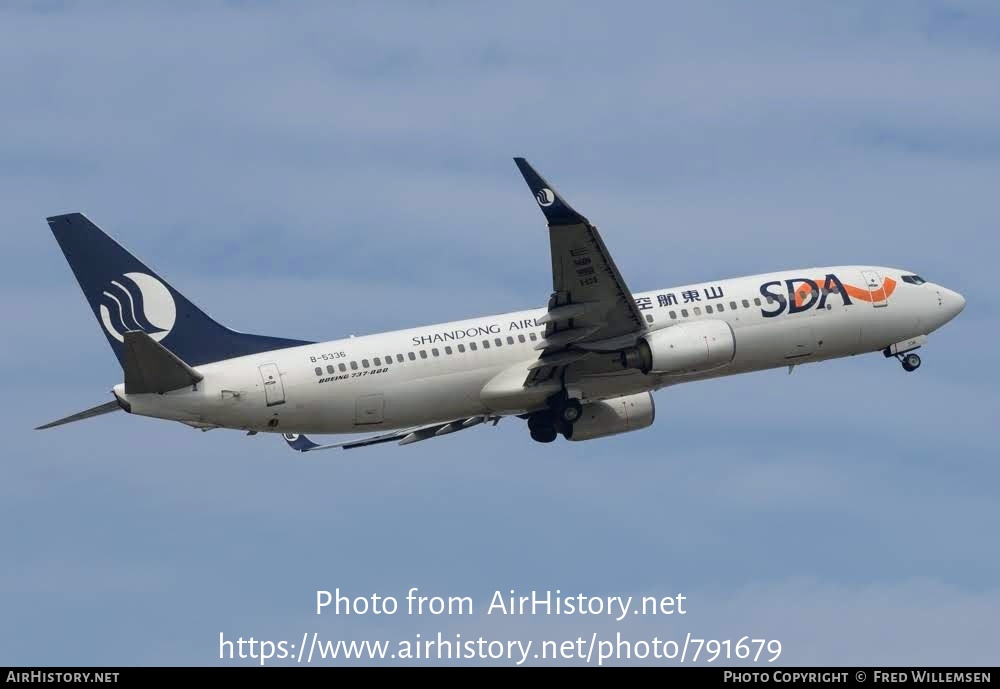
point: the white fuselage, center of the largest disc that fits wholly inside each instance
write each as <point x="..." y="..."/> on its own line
<point x="438" y="372"/>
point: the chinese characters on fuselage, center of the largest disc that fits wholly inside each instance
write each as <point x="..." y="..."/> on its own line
<point x="689" y="296"/>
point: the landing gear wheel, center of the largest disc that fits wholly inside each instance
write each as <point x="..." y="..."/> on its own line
<point x="563" y="428"/>
<point x="911" y="362"/>
<point x="571" y="411"/>
<point x="543" y="434"/>
<point x="542" y="427"/>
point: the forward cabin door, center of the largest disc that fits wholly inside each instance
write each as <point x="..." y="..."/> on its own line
<point x="876" y="287"/>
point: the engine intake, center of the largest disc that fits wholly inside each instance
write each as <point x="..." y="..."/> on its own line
<point x="683" y="348"/>
<point x="613" y="416"/>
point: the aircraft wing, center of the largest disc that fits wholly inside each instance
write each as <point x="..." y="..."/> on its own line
<point x="591" y="307"/>
<point x="405" y="436"/>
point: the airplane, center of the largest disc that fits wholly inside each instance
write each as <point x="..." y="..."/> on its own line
<point x="583" y="367"/>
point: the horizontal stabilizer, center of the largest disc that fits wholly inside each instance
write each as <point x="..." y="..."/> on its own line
<point x="105" y="408"/>
<point x="151" y="367"/>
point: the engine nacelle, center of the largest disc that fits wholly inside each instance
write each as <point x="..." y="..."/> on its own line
<point x="683" y="348"/>
<point x="614" y="416"/>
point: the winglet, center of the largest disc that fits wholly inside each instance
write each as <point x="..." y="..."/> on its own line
<point x="554" y="206"/>
<point x="299" y="442"/>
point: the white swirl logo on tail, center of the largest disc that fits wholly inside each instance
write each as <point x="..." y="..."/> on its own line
<point x="545" y="197"/>
<point x="137" y="301"/>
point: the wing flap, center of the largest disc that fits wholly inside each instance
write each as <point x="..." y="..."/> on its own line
<point x="422" y="434"/>
<point x="558" y="359"/>
<point x="568" y="312"/>
<point x="405" y="436"/>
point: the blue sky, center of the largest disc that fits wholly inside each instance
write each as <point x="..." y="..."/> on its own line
<point x="314" y="171"/>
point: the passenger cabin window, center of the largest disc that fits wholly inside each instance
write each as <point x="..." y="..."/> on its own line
<point x="732" y="305"/>
<point x="914" y="279"/>
<point x="435" y="352"/>
<point x="684" y="312"/>
<point x="423" y="353"/>
<point x="378" y="362"/>
<point x="708" y="309"/>
<point x="472" y="346"/>
<point x="461" y="347"/>
<point x="746" y="304"/>
<point x="319" y="371"/>
<point x="757" y="301"/>
<point x="673" y="315"/>
<point x="399" y="358"/>
<point x="330" y="369"/>
<point x="510" y="340"/>
<point x="498" y="342"/>
<point x="364" y="362"/>
<point x="486" y="344"/>
<point x="412" y="356"/>
<point x="447" y="350"/>
<point x="649" y="319"/>
<point x="342" y="367"/>
<point x="520" y="338"/>
<point x="354" y="365"/>
<point x="534" y="337"/>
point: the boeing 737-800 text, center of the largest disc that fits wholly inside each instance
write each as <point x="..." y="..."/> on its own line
<point x="583" y="367"/>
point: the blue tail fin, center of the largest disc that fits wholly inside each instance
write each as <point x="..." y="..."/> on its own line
<point x="126" y="295"/>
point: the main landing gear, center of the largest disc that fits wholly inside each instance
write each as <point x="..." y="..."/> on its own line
<point x="569" y="410"/>
<point x="542" y="426"/>
<point x="562" y="413"/>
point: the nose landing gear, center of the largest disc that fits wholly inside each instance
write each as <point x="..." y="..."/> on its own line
<point x="904" y="351"/>
<point x="908" y="358"/>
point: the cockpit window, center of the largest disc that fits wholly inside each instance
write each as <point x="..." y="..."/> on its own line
<point x="914" y="279"/>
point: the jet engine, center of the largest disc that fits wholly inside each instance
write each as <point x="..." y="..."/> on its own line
<point x="613" y="416"/>
<point x="683" y="348"/>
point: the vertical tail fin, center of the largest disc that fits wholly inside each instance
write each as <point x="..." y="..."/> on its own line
<point x="125" y="295"/>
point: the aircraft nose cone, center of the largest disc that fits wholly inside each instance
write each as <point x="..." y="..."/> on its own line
<point x="953" y="303"/>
